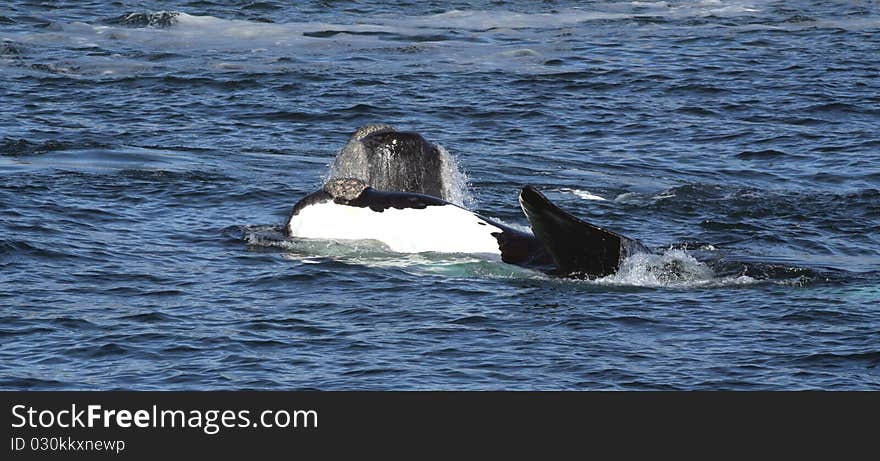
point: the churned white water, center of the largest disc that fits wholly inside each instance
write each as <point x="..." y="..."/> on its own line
<point x="673" y="268"/>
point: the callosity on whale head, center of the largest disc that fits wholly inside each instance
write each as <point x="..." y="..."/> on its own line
<point x="391" y="160"/>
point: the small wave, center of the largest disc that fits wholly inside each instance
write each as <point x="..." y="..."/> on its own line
<point x="333" y="33"/>
<point x="262" y="6"/>
<point x="55" y="68"/>
<point x="712" y="225"/>
<point x="698" y="88"/>
<point x="828" y="315"/>
<point x="257" y="236"/>
<point x="697" y="111"/>
<point x="583" y="194"/>
<point x="869" y="359"/>
<point x="21" y="147"/>
<point x="29" y="382"/>
<point x="94" y="157"/>
<point x="31" y="249"/>
<point x="695" y="245"/>
<point x="488" y="20"/>
<point x="148" y="317"/>
<point x="761" y="154"/>
<point x="792" y="275"/>
<point x="645" y="12"/>
<point x="799" y="18"/>
<point x="96" y="351"/>
<point x="834" y="107"/>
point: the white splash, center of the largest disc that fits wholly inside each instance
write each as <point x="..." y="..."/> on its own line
<point x="455" y="181"/>
<point x="673" y="268"/>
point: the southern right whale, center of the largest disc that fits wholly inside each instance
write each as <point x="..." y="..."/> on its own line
<point x="406" y="222"/>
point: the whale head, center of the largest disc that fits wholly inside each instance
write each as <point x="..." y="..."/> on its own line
<point x="391" y="160"/>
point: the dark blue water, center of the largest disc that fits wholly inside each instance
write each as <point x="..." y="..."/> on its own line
<point x="147" y="161"/>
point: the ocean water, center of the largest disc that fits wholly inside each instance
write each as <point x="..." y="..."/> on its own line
<point x="150" y="151"/>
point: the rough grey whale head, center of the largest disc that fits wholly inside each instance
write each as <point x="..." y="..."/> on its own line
<point x="391" y="160"/>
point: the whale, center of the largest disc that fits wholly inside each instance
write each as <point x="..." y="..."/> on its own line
<point x="392" y="160"/>
<point x="560" y="244"/>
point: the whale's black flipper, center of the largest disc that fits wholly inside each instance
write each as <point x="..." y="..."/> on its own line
<point x="578" y="248"/>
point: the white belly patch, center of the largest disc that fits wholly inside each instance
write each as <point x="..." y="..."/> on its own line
<point x="441" y="229"/>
